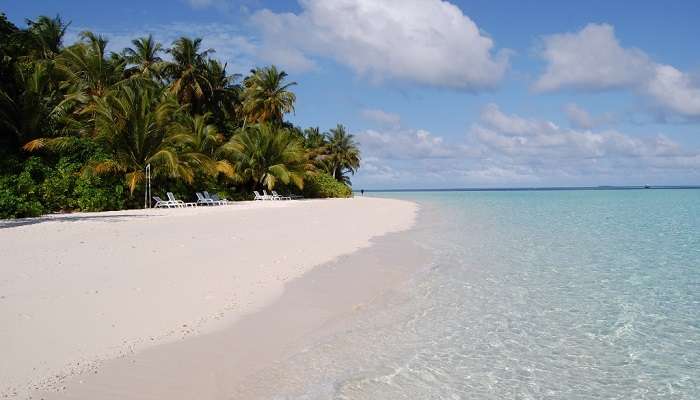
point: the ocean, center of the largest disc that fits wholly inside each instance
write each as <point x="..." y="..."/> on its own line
<point x="567" y="294"/>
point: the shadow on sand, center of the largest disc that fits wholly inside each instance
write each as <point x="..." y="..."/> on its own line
<point x="13" y="223"/>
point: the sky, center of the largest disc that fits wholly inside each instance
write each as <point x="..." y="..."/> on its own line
<point x="447" y="94"/>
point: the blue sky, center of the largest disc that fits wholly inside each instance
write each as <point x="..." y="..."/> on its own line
<point x="462" y="93"/>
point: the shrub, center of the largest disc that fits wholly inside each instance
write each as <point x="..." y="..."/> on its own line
<point x="324" y="186"/>
<point x="19" y="195"/>
<point x="95" y="193"/>
<point x="57" y="189"/>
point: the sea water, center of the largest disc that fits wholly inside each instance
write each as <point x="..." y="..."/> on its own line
<point x="529" y="295"/>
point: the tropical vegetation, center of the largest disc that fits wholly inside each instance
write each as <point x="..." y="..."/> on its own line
<point x="79" y="125"/>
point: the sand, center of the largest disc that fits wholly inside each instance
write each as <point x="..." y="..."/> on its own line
<point x="78" y="290"/>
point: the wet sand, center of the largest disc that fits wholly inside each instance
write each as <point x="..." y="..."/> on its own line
<point x="226" y="364"/>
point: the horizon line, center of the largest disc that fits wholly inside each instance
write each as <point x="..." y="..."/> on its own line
<point x="535" y="188"/>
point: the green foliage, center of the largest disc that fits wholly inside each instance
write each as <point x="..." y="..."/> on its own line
<point x="17" y="201"/>
<point x="133" y="127"/>
<point x="342" y="155"/>
<point x="38" y="189"/>
<point x="57" y="189"/>
<point x="323" y="185"/>
<point x="266" y="95"/>
<point x="79" y="124"/>
<point x="267" y="155"/>
<point x="94" y="193"/>
<point x="20" y="194"/>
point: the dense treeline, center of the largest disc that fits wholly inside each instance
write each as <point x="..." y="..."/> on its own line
<point x="79" y="125"/>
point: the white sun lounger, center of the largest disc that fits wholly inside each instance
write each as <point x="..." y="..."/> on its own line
<point x="276" y="196"/>
<point x="160" y="203"/>
<point x="268" y="196"/>
<point x="259" y="197"/>
<point x="216" y="201"/>
<point x="203" y="200"/>
<point x="224" y="201"/>
<point x="179" y="203"/>
<point x="174" y="201"/>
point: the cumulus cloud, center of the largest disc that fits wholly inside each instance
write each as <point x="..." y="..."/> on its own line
<point x="407" y="144"/>
<point x="553" y="154"/>
<point x="503" y="149"/>
<point x="429" y="42"/>
<point x="580" y="118"/>
<point x="674" y="90"/>
<point x="593" y="59"/>
<point x="521" y="137"/>
<point x="513" y="125"/>
<point x="381" y="117"/>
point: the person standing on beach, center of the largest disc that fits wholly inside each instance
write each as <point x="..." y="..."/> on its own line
<point x="362" y="192"/>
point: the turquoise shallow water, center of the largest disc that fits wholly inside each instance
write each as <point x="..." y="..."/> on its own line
<point x="530" y="295"/>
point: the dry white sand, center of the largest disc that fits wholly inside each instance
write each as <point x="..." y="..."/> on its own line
<point x="80" y="288"/>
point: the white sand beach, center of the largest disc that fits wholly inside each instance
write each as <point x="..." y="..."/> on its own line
<point x="77" y="289"/>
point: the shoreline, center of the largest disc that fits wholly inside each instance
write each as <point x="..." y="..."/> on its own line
<point x="226" y="363"/>
<point x="176" y="287"/>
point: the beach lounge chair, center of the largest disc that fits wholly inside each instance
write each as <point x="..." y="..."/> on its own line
<point x="174" y="201"/>
<point x="160" y="203"/>
<point x="268" y="196"/>
<point x="258" y="196"/>
<point x="276" y="196"/>
<point x="224" y="201"/>
<point x="216" y="200"/>
<point x="201" y="200"/>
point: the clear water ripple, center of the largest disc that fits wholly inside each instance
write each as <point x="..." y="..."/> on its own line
<point x="532" y="295"/>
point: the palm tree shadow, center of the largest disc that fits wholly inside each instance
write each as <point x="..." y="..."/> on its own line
<point x="13" y="223"/>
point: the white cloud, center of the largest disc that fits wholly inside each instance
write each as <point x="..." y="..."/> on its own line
<point x="513" y="125"/>
<point x="564" y="156"/>
<point x="406" y="144"/>
<point x="580" y="118"/>
<point x="430" y="42"/>
<point x="546" y="140"/>
<point x="291" y="59"/>
<point x="592" y="59"/>
<point x="381" y="117"/>
<point x="674" y="90"/>
<point x="378" y="170"/>
<point x="503" y="149"/>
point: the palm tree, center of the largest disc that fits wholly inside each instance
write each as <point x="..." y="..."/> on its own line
<point x="27" y="113"/>
<point x="186" y="72"/>
<point x="45" y="36"/>
<point x="314" y="139"/>
<point x="316" y="144"/>
<point x="224" y="97"/>
<point x="266" y="154"/>
<point x="144" y="55"/>
<point x="342" y="155"/>
<point x="88" y="74"/>
<point x="266" y="97"/>
<point x="133" y="126"/>
<point x="201" y="145"/>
